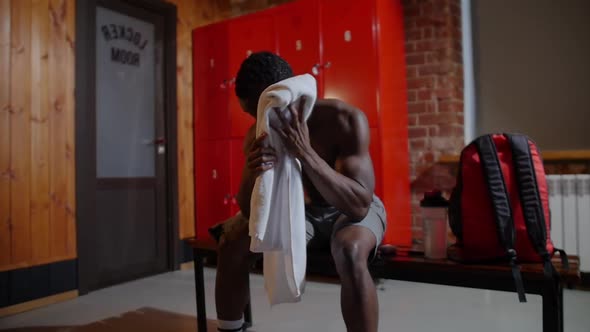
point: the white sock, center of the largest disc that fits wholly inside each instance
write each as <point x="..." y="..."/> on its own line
<point x="230" y="324"/>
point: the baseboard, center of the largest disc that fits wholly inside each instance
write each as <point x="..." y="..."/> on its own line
<point x="38" y="303"/>
<point x="187" y="266"/>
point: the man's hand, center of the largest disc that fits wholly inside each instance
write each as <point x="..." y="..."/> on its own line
<point x="294" y="133"/>
<point x="260" y="157"/>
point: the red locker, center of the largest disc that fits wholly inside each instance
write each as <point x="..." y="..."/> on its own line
<point x="247" y="34"/>
<point x="297" y="26"/>
<point x="374" y="150"/>
<point x="211" y="82"/>
<point x="349" y="63"/>
<point x="213" y="184"/>
<point x="358" y="47"/>
<point x="238" y="160"/>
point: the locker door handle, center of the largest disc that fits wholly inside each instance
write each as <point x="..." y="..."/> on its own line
<point x="234" y="200"/>
<point x="327" y="65"/>
<point x="315" y="70"/>
<point x="228" y="83"/>
<point x="226" y="199"/>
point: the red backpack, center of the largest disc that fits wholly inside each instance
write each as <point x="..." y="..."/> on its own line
<point x="499" y="209"/>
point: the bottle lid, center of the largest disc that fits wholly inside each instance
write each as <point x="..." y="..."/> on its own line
<point x="433" y="198"/>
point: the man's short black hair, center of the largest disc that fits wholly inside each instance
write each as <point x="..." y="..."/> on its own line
<point x="259" y="71"/>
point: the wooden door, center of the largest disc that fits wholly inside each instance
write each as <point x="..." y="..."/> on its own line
<point x="126" y="235"/>
<point x="349" y="63"/>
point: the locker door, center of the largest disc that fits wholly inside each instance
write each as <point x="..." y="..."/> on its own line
<point x="248" y="34"/>
<point x="298" y="36"/>
<point x="202" y="183"/>
<point x="212" y="165"/>
<point x="237" y="165"/>
<point x="210" y="82"/>
<point x="349" y="54"/>
<point x="375" y="151"/>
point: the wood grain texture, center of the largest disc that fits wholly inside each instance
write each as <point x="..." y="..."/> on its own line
<point x="20" y="130"/>
<point x="39" y="132"/>
<point x="70" y="112"/>
<point x="58" y="126"/>
<point x="5" y="171"/>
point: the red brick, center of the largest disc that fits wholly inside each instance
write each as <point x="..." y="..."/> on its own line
<point x="435" y="7"/>
<point x="412" y="96"/>
<point x="417" y="108"/>
<point x="434" y="57"/>
<point x="436" y="69"/>
<point x="417" y="132"/>
<point x="417" y="144"/>
<point x="450" y="106"/>
<point x="410" y="47"/>
<point x="451" y="130"/>
<point x="433" y="131"/>
<point x="415" y="59"/>
<point x="428" y="33"/>
<point x="443" y="32"/>
<point x="456" y="21"/>
<point x="429" y="119"/>
<point x="411" y="11"/>
<point x="421" y="83"/>
<point x="430" y="45"/>
<point x="442" y="94"/>
<point x="412" y="119"/>
<point x="414" y="34"/>
<point x="425" y="95"/>
<point x="411" y="72"/>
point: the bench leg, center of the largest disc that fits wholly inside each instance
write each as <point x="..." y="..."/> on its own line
<point x="553" y="307"/>
<point x="248" y="310"/>
<point x="200" y="292"/>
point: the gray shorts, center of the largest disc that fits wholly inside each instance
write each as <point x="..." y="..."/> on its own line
<point x="321" y="224"/>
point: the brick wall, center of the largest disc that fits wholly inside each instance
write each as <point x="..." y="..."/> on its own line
<point x="435" y="94"/>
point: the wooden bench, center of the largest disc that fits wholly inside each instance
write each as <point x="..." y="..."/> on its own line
<point x="408" y="267"/>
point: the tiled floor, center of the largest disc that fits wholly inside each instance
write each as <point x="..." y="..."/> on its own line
<point x="404" y="306"/>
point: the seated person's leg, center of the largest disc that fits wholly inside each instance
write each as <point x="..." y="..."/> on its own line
<point x="353" y="244"/>
<point x="231" y="287"/>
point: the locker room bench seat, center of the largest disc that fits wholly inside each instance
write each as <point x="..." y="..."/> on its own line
<point x="413" y="267"/>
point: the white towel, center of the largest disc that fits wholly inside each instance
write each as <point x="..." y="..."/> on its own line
<point x="277" y="208"/>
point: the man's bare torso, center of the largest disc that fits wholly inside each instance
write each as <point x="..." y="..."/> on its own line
<point x="330" y="128"/>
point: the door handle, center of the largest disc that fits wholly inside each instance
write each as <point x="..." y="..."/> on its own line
<point x="156" y="141"/>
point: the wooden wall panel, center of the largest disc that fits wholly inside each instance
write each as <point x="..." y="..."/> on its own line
<point x="70" y="111"/>
<point x="37" y="198"/>
<point x="5" y="172"/>
<point x="57" y="127"/>
<point x="20" y="130"/>
<point x="39" y="132"/>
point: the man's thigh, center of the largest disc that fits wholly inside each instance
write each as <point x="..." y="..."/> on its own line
<point x="368" y="232"/>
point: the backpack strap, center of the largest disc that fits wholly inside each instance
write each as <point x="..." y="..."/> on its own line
<point x="501" y="205"/>
<point x="532" y="207"/>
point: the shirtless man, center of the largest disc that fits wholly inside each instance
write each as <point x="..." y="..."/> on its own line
<point x="342" y="212"/>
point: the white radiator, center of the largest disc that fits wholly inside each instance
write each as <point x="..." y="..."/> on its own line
<point x="569" y="202"/>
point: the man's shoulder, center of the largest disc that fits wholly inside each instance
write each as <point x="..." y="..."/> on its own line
<point x="346" y="116"/>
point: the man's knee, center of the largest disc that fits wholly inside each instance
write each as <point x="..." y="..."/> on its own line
<point x="349" y="255"/>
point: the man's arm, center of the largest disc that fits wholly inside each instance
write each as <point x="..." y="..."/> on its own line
<point x="350" y="186"/>
<point x="259" y="158"/>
